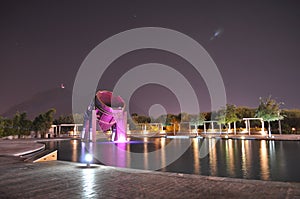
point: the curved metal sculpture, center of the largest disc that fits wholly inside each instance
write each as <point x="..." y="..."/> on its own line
<point x="108" y="111"/>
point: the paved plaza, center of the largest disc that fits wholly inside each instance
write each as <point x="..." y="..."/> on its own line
<point x="58" y="179"/>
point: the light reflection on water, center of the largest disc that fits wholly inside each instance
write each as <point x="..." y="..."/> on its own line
<point x="264" y="160"/>
<point x="196" y="156"/>
<point x="213" y="157"/>
<point x="251" y="159"/>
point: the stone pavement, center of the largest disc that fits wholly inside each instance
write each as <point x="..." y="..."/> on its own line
<point x="19" y="147"/>
<point x="58" y="179"/>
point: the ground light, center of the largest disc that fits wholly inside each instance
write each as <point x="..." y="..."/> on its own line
<point x="88" y="159"/>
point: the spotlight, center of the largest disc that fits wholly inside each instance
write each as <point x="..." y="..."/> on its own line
<point x="88" y="159"/>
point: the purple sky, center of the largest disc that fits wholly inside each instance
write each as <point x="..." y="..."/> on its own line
<point x="43" y="44"/>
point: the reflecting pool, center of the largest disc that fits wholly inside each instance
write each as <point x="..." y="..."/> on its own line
<point x="249" y="159"/>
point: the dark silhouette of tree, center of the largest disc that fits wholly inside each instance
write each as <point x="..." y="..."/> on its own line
<point x="2" y="126"/>
<point x="64" y="119"/>
<point x="269" y="110"/>
<point x="227" y="115"/>
<point x="43" y="122"/>
<point x="198" y="119"/>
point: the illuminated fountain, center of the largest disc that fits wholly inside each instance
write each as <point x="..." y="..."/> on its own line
<point x="108" y="111"/>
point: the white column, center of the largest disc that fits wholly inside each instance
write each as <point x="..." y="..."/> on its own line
<point x="249" y="126"/>
<point x="93" y="138"/>
<point x="59" y="129"/>
<point x="234" y="126"/>
<point x="74" y="129"/>
<point x="174" y="128"/>
<point x="262" y="126"/>
<point x="279" y="126"/>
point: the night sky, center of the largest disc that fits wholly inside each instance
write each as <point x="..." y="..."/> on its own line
<point x="256" y="48"/>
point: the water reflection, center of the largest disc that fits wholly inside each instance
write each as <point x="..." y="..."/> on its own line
<point x="230" y="157"/>
<point x="246" y="158"/>
<point x="213" y="157"/>
<point x="196" y="156"/>
<point x="74" y="151"/>
<point x="163" y="153"/>
<point x="146" y="153"/>
<point x="83" y="152"/>
<point x="128" y="156"/>
<point x="272" y="151"/>
<point x="264" y="163"/>
<point x="266" y="160"/>
<point x="121" y="153"/>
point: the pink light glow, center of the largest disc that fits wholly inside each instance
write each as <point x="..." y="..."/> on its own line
<point x="111" y="115"/>
<point x="121" y="138"/>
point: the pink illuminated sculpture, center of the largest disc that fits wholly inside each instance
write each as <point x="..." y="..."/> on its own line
<point x="108" y="111"/>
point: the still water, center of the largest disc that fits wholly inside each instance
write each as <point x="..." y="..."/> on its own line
<point x="249" y="159"/>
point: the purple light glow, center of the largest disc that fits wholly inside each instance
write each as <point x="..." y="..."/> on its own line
<point x="111" y="115"/>
<point x="121" y="138"/>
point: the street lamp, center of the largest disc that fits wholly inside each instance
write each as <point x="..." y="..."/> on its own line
<point x="279" y="122"/>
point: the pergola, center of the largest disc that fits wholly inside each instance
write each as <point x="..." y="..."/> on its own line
<point x="57" y="128"/>
<point x="212" y="125"/>
<point x="247" y="123"/>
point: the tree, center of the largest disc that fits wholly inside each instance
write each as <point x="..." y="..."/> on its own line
<point x="291" y="122"/>
<point x="269" y="110"/>
<point x="64" y="119"/>
<point x="243" y="111"/>
<point x="8" y="127"/>
<point x="78" y="118"/>
<point x="198" y="119"/>
<point x="140" y="119"/>
<point x="16" y="124"/>
<point x="184" y="117"/>
<point x="24" y="125"/>
<point x="1" y="126"/>
<point x="21" y="125"/>
<point x="227" y="115"/>
<point x="43" y="122"/>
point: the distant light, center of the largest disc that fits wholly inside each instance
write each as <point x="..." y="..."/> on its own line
<point x="293" y="129"/>
<point x="263" y="133"/>
<point x="226" y="136"/>
<point x="88" y="158"/>
<point x="121" y="139"/>
<point x="62" y="86"/>
<point x="242" y="137"/>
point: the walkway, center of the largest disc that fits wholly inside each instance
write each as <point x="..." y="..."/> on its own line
<point x="19" y="147"/>
<point x="59" y="179"/>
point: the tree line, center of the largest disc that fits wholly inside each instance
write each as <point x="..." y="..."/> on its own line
<point x="268" y="109"/>
<point x="20" y="125"/>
